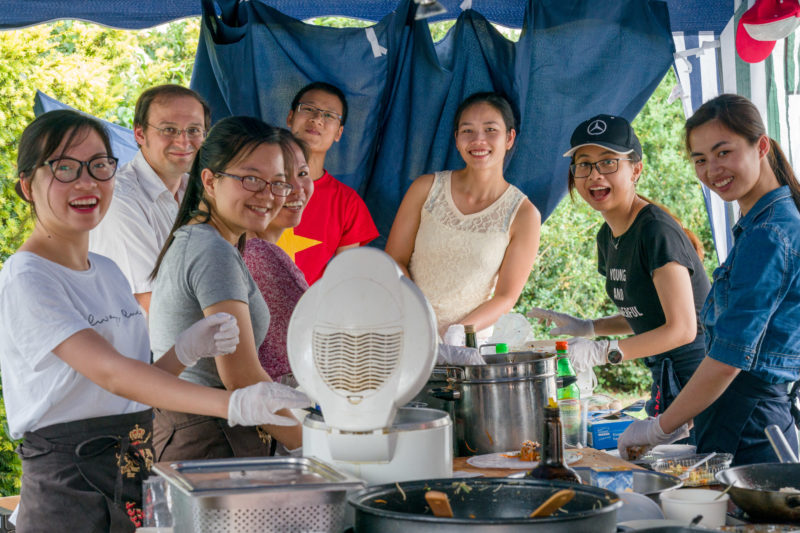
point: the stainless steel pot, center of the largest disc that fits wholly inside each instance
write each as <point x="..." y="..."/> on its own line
<point x="487" y="504"/>
<point x="497" y="406"/>
<point x="756" y="489"/>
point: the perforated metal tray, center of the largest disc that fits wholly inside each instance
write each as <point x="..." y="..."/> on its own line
<point x="257" y="494"/>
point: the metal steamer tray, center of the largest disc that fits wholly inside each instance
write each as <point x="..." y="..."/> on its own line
<point x="257" y="495"/>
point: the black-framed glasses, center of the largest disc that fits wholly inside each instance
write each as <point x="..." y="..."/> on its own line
<point x="604" y="166"/>
<point x="68" y="169"/>
<point x="171" y="132"/>
<point x="310" y="111"/>
<point x="254" y="184"/>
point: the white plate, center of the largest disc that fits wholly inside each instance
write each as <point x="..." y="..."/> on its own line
<point x="498" y="460"/>
<point x="672" y="451"/>
<point x="637" y="507"/>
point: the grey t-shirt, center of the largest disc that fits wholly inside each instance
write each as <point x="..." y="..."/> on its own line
<point x="200" y="269"/>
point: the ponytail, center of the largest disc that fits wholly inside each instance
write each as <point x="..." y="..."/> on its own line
<point x="783" y="170"/>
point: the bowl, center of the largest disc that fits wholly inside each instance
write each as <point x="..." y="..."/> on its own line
<point x="686" y="504"/>
<point x="700" y="476"/>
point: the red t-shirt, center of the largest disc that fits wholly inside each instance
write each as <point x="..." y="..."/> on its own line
<point x="335" y="216"/>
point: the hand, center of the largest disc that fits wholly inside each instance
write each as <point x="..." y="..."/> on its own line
<point x="585" y="354"/>
<point x="648" y="432"/>
<point x="458" y="355"/>
<point x="256" y="405"/>
<point x="214" y="335"/>
<point x="455" y="335"/>
<point x="567" y="324"/>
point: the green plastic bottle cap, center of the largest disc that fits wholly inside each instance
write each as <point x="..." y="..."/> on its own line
<point x="501" y="347"/>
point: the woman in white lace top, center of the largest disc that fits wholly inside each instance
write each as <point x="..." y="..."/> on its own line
<point x="467" y="237"/>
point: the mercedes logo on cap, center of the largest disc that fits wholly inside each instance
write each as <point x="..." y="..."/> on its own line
<point x="596" y="127"/>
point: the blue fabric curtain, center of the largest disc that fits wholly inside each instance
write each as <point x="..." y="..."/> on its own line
<point x="573" y="60"/>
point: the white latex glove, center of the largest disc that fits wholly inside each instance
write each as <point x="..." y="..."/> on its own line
<point x="256" y="404"/>
<point x="214" y="335"/>
<point x="585" y="354"/>
<point x="455" y="335"/>
<point x="648" y="433"/>
<point x="458" y="355"/>
<point x="567" y="324"/>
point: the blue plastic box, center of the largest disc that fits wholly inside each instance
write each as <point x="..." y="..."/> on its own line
<point x="602" y="433"/>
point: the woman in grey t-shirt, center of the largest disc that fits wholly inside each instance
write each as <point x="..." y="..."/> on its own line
<point x="237" y="184"/>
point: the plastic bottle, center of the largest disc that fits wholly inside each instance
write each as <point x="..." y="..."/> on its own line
<point x="551" y="464"/>
<point x="569" y="398"/>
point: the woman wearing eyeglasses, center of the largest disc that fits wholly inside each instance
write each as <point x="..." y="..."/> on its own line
<point x="653" y="272"/>
<point x="467" y="237"/>
<point x="74" y="351"/>
<point x="237" y="184"/>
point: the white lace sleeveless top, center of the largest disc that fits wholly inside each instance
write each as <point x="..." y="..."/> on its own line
<point x="457" y="257"/>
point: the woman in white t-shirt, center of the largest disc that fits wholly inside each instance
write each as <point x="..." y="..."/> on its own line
<point x="74" y="348"/>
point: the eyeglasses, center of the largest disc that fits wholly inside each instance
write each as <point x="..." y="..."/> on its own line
<point x="68" y="169"/>
<point x="254" y="184"/>
<point x="310" y="111"/>
<point x="170" y="132"/>
<point x="604" y="166"/>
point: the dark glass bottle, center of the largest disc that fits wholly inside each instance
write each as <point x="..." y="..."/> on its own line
<point x="551" y="463"/>
<point x="469" y="333"/>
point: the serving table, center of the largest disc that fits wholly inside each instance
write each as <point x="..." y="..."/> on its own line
<point x="589" y="457"/>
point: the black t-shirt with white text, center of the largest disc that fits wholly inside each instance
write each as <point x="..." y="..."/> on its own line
<point x="629" y="260"/>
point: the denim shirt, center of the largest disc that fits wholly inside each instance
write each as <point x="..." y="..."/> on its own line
<point x="752" y="314"/>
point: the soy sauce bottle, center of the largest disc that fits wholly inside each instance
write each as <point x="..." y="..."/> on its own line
<point x="551" y="463"/>
<point x="471" y="339"/>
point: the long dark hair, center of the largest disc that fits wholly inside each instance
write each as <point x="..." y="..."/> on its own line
<point x="496" y="100"/>
<point x="741" y="116"/>
<point x="230" y="140"/>
<point x="44" y="135"/>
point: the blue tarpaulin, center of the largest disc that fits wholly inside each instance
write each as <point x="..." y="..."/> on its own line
<point x="572" y="61"/>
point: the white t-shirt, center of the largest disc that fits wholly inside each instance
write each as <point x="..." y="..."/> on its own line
<point x="42" y="304"/>
<point x="137" y="223"/>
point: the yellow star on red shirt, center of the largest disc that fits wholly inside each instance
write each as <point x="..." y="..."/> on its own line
<point x="291" y="243"/>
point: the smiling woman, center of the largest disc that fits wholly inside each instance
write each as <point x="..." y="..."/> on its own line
<point x="237" y="184"/>
<point x="467" y="237"/>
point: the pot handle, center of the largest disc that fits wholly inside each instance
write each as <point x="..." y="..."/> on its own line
<point x="444" y="393"/>
<point x="793" y="501"/>
<point x="565" y="381"/>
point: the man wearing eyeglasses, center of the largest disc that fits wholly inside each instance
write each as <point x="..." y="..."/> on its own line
<point x="336" y="218"/>
<point x="169" y="125"/>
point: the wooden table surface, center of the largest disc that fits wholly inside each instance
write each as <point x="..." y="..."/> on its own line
<point x="589" y="457"/>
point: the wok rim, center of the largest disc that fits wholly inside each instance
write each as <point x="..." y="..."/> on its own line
<point x="372" y="491"/>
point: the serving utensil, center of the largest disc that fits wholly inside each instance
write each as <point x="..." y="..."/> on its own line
<point x="779" y="444"/>
<point x="553" y="503"/>
<point x="685" y="475"/>
<point x="439" y="503"/>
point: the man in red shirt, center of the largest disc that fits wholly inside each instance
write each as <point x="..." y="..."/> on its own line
<point x="336" y="218"/>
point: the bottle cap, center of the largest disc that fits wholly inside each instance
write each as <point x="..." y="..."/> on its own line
<point x="501" y="347"/>
<point x="469" y="328"/>
<point x="561" y="346"/>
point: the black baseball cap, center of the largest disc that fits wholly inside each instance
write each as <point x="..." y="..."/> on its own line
<point x="608" y="131"/>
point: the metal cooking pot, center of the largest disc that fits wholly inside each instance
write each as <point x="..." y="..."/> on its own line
<point x="497" y="406"/>
<point x="486" y="504"/>
<point x="756" y="489"/>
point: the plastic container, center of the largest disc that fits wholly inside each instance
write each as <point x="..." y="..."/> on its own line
<point x="686" y="504"/>
<point x="700" y="476"/>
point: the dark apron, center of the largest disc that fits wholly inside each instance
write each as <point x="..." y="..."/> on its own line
<point x="181" y="436"/>
<point x="85" y="475"/>
<point x="738" y="418"/>
<point x="669" y="378"/>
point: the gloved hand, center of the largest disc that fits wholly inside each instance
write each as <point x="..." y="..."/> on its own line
<point x="458" y="355"/>
<point x="455" y="335"/>
<point x="567" y="324"/>
<point x="214" y="335"/>
<point x="256" y="404"/>
<point x="585" y="354"/>
<point x="648" y="433"/>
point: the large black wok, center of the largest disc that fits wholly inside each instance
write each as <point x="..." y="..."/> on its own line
<point x="485" y="505"/>
<point x="756" y="490"/>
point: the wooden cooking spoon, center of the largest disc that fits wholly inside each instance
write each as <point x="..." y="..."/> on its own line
<point x="440" y="503"/>
<point x="554" y="502"/>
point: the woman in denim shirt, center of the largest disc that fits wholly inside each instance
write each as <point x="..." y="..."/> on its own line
<point x="752" y="311"/>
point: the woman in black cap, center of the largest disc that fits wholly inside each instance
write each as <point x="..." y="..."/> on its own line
<point x="653" y="272"/>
